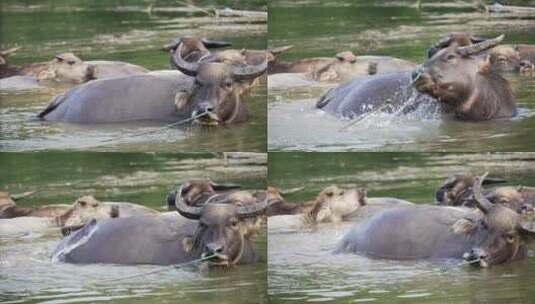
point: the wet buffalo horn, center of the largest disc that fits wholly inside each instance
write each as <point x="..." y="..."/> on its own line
<point x="280" y="49"/>
<point x="493" y="180"/>
<point x="482" y="202"/>
<point x="212" y="44"/>
<point x="478" y="47"/>
<point x="253" y="209"/>
<point x="221" y="187"/>
<point x="188" y="68"/>
<point x="250" y="71"/>
<point x="190" y="212"/>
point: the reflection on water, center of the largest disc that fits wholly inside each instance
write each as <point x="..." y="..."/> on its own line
<point x="26" y="270"/>
<point x="398" y="29"/>
<point x="302" y="268"/>
<point x="119" y="30"/>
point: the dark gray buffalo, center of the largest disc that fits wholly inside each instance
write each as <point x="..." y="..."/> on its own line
<point x="219" y="229"/>
<point x="210" y="89"/>
<point x="455" y="79"/>
<point x="492" y="235"/>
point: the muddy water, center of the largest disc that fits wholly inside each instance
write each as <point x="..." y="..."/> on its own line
<point x="127" y="31"/>
<point x="398" y="29"/>
<point x="29" y="276"/>
<point x="302" y="268"/>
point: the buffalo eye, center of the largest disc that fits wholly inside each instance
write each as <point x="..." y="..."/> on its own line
<point x="510" y="238"/>
<point x="83" y="203"/>
<point x="234" y="222"/>
<point x="342" y="192"/>
<point x="71" y="62"/>
<point x="451" y="57"/>
<point x="227" y="83"/>
<point x="202" y="225"/>
<point x="329" y="193"/>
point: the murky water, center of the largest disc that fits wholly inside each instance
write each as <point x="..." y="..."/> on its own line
<point x="28" y="274"/>
<point x="126" y="31"/>
<point x="302" y="268"/>
<point x="398" y="29"/>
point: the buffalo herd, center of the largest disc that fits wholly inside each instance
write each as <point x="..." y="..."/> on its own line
<point x="466" y="222"/>
<point x="206" y="221"/>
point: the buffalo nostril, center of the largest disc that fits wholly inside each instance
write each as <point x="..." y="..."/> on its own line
<point x="214" y="248"/>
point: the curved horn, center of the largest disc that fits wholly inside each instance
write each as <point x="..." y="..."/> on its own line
<point x="482" y="202"/>
<point x="494" y="180"/>
<point x="186" y="211"/>
<point x="254" y="209"/>
<point x="188" y="68"/>
<point x="212" y="44"/>
<point x="250" y="71"/>
<point x="280" y="49"/>
<point x="172" y="45"/>
<point x="8" y="52"/>
<point x="221" y="187"/>
<point x="479" y="47"/>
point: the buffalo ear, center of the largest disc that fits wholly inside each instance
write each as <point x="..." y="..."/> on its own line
<point x="463" y="226"/>
<point x="485" y="65"/>
<point x="324" y="215"/>
<point x="363" y="195"/>
<point x="187" y="243"/>
<point x="527" y="229"/>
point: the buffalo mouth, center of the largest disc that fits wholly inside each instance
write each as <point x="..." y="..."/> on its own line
<point x="477" y="258"/>
<point x="216" y="260"/>
<point x="423" y="82"/>
<point x="206" y="118"/>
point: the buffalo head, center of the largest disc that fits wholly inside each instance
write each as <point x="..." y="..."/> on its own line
<point x="333" y="203"/>
<point x="457" y="38"/>
<point x="462" y="79"/>
<point x="197" y="192"/>
<point x="456" y="190"/>
<point x="67" y="67"/>
<point x="215" y="94"/>
<point x="224" y="228"/>
<point x="503" y="233"/>
<point x="194" y="48"/>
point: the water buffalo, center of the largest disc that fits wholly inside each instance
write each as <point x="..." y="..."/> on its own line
<point x="513" y="58"/>
<point x="67" y="68"/>
<point x="194" y="48"/>
<point x="456" y="76"/>
<point x="344" y="66"/>
<point x="492" y="235"/>
<point x="389" y="93"/>
<point x="19" y="220"/>
<point x="457" y="190"/>
<point x="218" y="231"/>
<point x="330" y="206"/>
<point x="502" y="58"/>
<point x="197" y="192"/>
<point x="6" y="69"/>
<point x="210" y="89"/>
